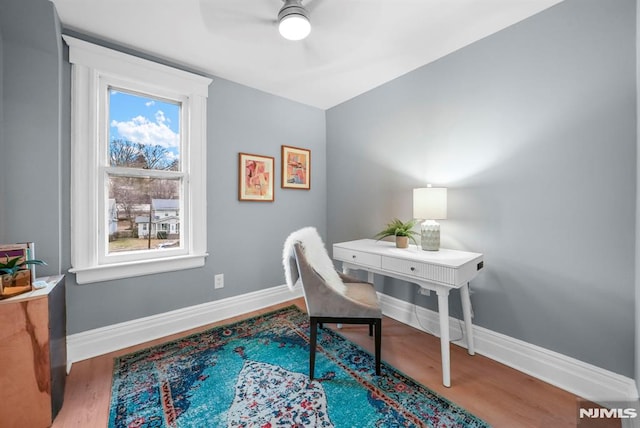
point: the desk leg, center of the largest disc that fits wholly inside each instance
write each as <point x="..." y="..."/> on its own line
<point x="443" y="310"/>
<point x="466" y="312"/>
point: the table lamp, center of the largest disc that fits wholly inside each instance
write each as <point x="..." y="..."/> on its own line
<point x="430" y="204"/>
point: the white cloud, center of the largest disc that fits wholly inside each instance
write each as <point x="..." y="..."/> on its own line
<point x="161" y="118"/>
<point x="141" y="130"/>
<point x="149" y="103"/>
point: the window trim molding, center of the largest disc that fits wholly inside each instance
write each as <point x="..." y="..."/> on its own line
<point x="90" y="64"/>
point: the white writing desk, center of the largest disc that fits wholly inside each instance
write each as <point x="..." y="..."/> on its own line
<point x="440" y="271"/>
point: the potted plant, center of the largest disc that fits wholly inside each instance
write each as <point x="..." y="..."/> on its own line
<point x="401" y="230"/>
<point x="10" y="269"/>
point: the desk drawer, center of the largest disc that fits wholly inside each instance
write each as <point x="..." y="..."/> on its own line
<point x="424" y="271"/>
<point x="406" y="267"/>
<point x="357" y="257"/>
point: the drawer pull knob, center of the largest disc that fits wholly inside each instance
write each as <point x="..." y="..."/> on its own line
<point x="412" y="269"/>
<point x="354" y="256"/>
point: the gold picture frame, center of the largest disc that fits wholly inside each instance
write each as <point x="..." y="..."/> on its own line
<point x="255" y="177"/>
<point x="296" y="168"/>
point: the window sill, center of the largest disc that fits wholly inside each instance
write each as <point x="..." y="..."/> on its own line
<point x="87" y="275"/>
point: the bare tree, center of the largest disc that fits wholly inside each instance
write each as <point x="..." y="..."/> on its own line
<point x="165" y="189"/>
<point x="124" y="153"/>
<point x="137" y="155"/>
<point x="155" y="157"/>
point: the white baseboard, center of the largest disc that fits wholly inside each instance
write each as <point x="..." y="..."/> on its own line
<point x="575" y="376"/>
<point x="570" y="374"/>
<point x="99" y="341"/>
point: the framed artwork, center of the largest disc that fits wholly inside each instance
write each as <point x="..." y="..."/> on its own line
<point x="255" y="177"/>
<point x="296" y="168"/>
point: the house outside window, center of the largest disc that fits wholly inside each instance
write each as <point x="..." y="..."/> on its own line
<point x="138" y="153"/>
<point x="164" y="218"/>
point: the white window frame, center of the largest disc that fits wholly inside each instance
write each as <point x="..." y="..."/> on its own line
<point x="95" y="68"/>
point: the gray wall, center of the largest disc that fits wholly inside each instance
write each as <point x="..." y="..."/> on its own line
<point x="533" y="130"/>
<point x="31" y="132"/>
<point x="244" y="239"/>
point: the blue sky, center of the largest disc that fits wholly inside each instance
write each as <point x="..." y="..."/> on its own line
<point x="144" y="120"/>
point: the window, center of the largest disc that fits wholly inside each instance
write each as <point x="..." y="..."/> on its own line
<point x="138" y="173"/>
<point x="143" y="138"/>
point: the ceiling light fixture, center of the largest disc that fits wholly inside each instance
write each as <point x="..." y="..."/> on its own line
<point x="293" y="20"/>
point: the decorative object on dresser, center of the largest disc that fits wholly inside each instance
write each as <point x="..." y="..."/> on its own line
<point x="16" y="269"/>
<point x="402" y="232"/>
<point x="430" y="204"/>
<point x="33" y="351"/>
<point x="296" y="168"/>
<point x="255" y="177"/>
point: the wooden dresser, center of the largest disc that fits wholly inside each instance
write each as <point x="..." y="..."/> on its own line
<point x="33" y="354"/>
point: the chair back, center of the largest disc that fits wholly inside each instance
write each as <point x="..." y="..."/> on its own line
<point x="316" y="256"/>
<point x="306" y="261"/>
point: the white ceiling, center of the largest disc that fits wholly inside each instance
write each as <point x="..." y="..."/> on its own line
<point x="354" y="45"/>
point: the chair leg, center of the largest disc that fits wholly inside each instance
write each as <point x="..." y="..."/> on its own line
<point x="378" y="339"/>
<point x="312" y="346"/>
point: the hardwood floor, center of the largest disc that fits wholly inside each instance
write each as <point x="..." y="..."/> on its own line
<point x="496" y="393"/>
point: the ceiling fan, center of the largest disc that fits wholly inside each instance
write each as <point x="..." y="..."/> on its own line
<point x="293" y="20"/>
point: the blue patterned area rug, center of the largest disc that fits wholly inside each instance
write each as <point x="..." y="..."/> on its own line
<point x="254" y="373"/>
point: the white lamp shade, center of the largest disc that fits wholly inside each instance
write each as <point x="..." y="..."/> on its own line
<point x="294" y="27"/>
<point x="430" y="203"/>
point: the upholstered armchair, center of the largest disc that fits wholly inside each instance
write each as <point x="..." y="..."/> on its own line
<point x="330" y="297"/>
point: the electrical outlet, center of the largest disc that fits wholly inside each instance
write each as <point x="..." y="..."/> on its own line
<point x="218" y="281"/>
